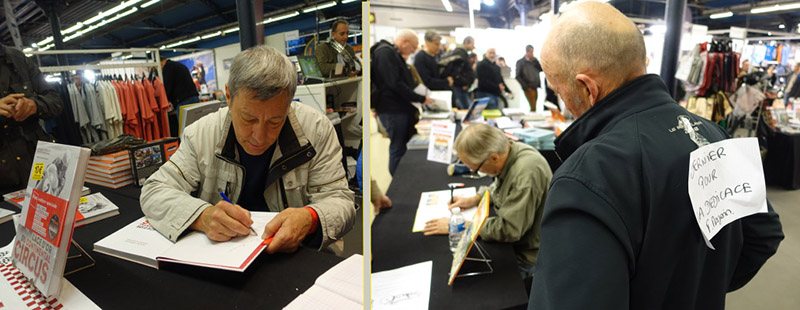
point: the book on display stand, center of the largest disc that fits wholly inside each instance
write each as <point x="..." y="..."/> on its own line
<point x="46" y="222"/>
<point x="470" y="238"/>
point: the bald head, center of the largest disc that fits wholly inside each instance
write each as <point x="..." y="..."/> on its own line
<point x="597" y="41"/>
<point x="406" y="41"/>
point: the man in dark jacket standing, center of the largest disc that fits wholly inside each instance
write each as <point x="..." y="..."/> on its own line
<point x="395" y="92"/>
<point x="527" y="70"/>
<point x="428" y="67"/>
<point x="463" y="75"/>
<point x="26" y="98"/>
<point x="619" y="230"/>
<point x="490" y="81"/>
<point x="180" y="89"/>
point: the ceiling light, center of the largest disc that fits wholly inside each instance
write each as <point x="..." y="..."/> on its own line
<point x="45" y="41"/>
<point x="211" y="35"/>
<point x="282" y="17"/>
<point x="769" y="33"/>
<point x="447" y="5"/>
<point x="721" y="15"/>
<point x="320" y="7"/>
<point x="27" y="49"/>
<point x="72" y="29"/>
<point x="47" y="47"/>
<point x="777" y="7"/>
<point x="195" y="39"/>
<point x="162" y="47"/>
<point x="174" y="44"/>
<point x="127" y="57"/>
<point x="347" y="1"/>
<point x="151" y="2"/>
<point x="113" y="10"/>
<point x="782" y="26"/>
<point x="234" y="29"/>
<point x="488" y="2"/>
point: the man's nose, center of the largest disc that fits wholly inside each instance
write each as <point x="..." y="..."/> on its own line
<point x="259" y="133"/>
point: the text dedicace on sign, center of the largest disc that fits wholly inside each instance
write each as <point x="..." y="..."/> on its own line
<point x="726" y="183"/>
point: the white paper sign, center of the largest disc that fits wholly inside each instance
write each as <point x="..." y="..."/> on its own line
<point x="726" y="183"/>
<point x="440" y="145"/>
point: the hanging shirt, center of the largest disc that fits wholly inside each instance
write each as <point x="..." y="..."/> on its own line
<point x="149" y="94"/>
<point x="163" y="103"/>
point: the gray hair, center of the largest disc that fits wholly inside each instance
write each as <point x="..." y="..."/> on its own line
<point x="431" y="36"/>
<point x="338" y="22"/>
<point x="479" y="141"/>
<point x="264" y="71"/>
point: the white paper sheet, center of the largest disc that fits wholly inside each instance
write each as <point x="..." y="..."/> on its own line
<point x="340" y="288"/>
<point x="726" y="183"/>
<point x="403" y="288"/>
<point x="196" y="247"/>
<point x="442" y="100"/>
<point x="433" y="205"/>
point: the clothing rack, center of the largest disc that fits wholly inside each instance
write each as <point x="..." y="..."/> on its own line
<point x="154" y="51"/>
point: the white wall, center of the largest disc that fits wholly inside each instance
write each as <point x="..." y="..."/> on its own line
<point x="221" y="53"/>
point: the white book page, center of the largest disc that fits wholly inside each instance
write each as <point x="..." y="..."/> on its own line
<point x="403" y="288"/>
<point x="196" y="249"/>
<point x="433" y="205"/>
<point x="319" y="298"/>
<point x="346" y="279"/>
<point x="137" y="241"/>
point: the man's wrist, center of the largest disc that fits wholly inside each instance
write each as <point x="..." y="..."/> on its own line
<point x="314" y="219"/>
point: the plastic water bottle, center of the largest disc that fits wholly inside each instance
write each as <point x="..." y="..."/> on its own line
<point x="456" y="228"/>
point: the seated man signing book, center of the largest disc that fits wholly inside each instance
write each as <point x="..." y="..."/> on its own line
<point x="521" y="178"/>
<point x="263" y="152"/>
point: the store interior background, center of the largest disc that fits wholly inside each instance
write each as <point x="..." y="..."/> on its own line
<point x="753" y="35"/>
<point x="184" y="31"/>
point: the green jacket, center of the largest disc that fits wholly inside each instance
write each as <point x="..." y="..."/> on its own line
<point x="326" y="56"/>
<point x="517" y="197"/>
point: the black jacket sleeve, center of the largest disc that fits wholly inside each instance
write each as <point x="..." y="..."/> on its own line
<point x="429" y="74"/>
<point x="762" y="233"/>
<point x="388" y="72"/>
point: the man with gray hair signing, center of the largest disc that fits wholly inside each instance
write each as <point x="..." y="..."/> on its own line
<point x="619" y="230"/>
<point x="263" y="151"/>
<point x="521" y="176"/>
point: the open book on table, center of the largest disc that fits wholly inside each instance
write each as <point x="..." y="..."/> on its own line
<point x="340" y="288"/>
<point x="139" y="242"/>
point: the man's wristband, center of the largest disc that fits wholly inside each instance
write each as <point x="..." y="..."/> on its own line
<point x="314" y="219"/>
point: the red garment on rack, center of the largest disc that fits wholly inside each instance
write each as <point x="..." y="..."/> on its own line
<point x="133" y="119"/>
<point x="163" y="102"/>
<point x="149" y="94"/>
<point x="145" y="113"/>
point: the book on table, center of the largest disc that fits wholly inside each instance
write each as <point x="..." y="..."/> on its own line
<point x="47" y="219"/>
<point x="91" y="208"/>
<point x="341" y="288"/>
<point x="5" y="215"/>
<point x="139" y="242"/>
<point x="16" y="198"/>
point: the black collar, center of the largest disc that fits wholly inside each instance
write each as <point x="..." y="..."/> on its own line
<point x="640" y="94"/>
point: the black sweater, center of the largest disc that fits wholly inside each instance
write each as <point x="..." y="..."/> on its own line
<point x="178" y="82"/>
<point x="619" y="231"/>
<point x="428" y="69"/>
<point x="490" y="78"/>
<point x="393" y="80"/>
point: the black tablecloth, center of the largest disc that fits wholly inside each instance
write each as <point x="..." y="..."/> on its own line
<point x="782" y="165"/>
<point x="395" y="246"/>
<point x="271" y="281"/>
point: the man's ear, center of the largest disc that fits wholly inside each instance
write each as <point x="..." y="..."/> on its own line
<point x="590" y="86"/>
<point x="227" y="95"/>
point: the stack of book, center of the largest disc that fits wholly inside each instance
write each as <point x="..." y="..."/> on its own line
<point x="16" y="198"/>
<point x="541" y="139"/>
<point x="110" y="170"/>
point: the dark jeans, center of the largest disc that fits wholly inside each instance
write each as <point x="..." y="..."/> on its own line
<point x="173" y="117"/>
<point x="493" y="100"/>
<point x="461" y="98"/>
<point x="400" y="128"/>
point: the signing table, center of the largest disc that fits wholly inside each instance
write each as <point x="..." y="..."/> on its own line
<point x="271" y="282"/>
<point x="395" y="246"/>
